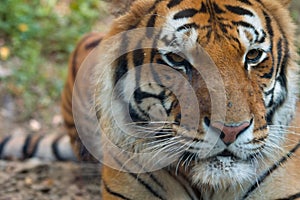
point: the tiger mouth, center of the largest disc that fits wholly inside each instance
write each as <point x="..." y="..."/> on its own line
<point x="224" y="155"/>
<point x="230" y="156"/>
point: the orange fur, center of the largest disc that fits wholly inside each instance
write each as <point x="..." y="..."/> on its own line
<point x="244" y="101"/>
<point x="84" y="47"/>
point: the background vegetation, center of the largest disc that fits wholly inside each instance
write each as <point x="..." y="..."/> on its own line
<point x="36" y="38"/>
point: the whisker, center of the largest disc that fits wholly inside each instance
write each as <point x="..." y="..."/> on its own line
<point x="150" y="122"/>
<point x="284" y="126"/>
<point x="175" y="150"/>
<point x="170" y="141"/>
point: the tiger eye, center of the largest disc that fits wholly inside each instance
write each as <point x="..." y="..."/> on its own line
<point x="254" y="55"/>
<point x="175" y="57"/>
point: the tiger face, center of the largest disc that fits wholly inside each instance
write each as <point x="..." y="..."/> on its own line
<point x="209" y="88"/>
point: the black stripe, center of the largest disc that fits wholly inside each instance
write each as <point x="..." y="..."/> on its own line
<point x="292" y="197"/>
<point x="223" y="28"/>
<point x="122" y="63"/>
<point x="239" y="10"/>
<point x="113" y="193"/>
<point x="246" y="2"/>
<point x="25" y="147"/>
<point x="93" y="44"/>
<point x="138" y="56"/>
<point x="279" y="54"/>
<point x="178" y="118"/>
<point x="270" y="31"/>
<point x="25" y="150"/>
<point x="55" y="150"/>
<point x="269" y="92"/>
<point x="203" y="8"/>
<point x="276" y="103"/>
<point x="271" y="170"/>
<point x="179" y="174"/>
<point x="185" y="13"/>
<point x="283" y="82"/>
<point x="269" y="74"/>
<point x="140" y="95"/>
<point x="135" y="116"/>
<point x="153" y="53"/>
<point x="282" y="78"/>
<point x="31" y="154"/>
<point x="173" y="3"/>
<point x="2" y="145"/>
<point x="262" y="38"/>
<point x="269" y="25"/>
<point x="138" y="61"/>
<point x="153" y="7"/>
<point x="208" y="35"/>
<point x="151" y="23"/>
<point x="122" y="68"/>
<point x="270" y="114"/>
<point x="245" y="24"/>
<point x="236" y="41"/>
<point x="84" y="153"/>
<point x="217" y="9"/>
<point x="187" y="26"/>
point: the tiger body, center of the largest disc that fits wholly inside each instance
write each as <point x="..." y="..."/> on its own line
<point x="257" y="156"/>
<point x="198" y="107"/>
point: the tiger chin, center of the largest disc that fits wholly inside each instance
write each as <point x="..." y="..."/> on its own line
<point x="194" y="99"/>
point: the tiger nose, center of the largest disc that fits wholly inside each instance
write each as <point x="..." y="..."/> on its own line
<point x="229" y="133"/>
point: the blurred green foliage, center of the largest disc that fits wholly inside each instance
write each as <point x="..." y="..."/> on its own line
<point x="41" y="34"/>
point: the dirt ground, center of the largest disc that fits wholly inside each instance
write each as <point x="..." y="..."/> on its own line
<point x="34" y="179"/>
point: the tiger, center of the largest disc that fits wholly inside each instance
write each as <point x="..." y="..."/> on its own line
<point x="192" y="99"/>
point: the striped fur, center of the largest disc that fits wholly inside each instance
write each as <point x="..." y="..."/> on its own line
<point x="251" y="44"/>
<point x="256" y="153"/>
<point x="84" y="47"/>
<point x="46" y="147"/>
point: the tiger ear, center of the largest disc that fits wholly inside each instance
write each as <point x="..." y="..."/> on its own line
<point x="285" y="3"/>
<point x="119" y="7"/>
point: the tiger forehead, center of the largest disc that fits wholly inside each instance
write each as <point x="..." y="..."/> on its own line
<point x="213" y="20"/>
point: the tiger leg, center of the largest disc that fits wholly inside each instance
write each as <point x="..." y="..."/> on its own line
<point x="155" y="185"/>
<point x="83" y="48"/>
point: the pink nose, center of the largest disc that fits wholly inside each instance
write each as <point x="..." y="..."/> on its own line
<point x="230" y="133"/>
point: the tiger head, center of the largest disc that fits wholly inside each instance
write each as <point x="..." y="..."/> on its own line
<point x="209" y="85"/>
